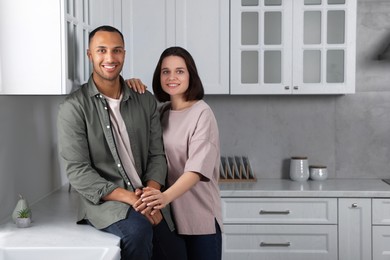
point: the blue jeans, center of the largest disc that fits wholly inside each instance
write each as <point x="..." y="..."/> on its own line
<point x="204" y="247"/>
<point x="140" y="240"/>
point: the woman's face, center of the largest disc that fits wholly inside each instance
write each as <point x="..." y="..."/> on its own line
<point x="174" y="77"/>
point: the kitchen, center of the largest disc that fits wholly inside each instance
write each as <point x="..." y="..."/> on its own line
<point x="347" y="133"/>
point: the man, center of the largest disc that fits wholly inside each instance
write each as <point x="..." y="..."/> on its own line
<point x="111" y="145"/>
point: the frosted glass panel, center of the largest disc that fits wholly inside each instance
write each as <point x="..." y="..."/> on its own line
<point x="272" y="2"/>
<point x="335" y="66"/>
<point x="313" y="2"/>
<point x="272" y="28"/>
<point x="312" y="27"/>
<point x="86" y="60"/>
<point x="311" y="66"/>
<point x="249" y="2"/>
<point x="249" y="67"/>
<point x="336" y="27"/>
<point x="249" y="28"/>
<point x="71" y="50"/>
<point x="272" y="67"/>
<point x="336" y="2"/>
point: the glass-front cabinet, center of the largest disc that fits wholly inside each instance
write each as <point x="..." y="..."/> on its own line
<point x="293" y="47"/>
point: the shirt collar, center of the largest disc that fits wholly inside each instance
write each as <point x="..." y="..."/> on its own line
<point x="93" y="91"/>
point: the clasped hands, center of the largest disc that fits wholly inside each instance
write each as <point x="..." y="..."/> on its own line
<point x="149" y="204"/>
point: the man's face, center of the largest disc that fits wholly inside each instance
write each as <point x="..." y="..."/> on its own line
<point x="107" y="54"/>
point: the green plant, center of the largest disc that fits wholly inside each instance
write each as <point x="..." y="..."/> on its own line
<point x="24" y="213"/>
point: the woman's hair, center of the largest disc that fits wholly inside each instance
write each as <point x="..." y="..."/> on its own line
<point x="195" y="89"/>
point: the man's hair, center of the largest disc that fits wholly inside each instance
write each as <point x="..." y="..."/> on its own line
<point x="195" y="89"/>
<point x="104" y="28"/>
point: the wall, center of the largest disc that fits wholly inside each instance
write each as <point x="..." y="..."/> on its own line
<point x="28" y="150"/>
<point x="350" y="134"/>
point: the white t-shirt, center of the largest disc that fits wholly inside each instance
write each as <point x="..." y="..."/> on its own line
<point x="122" y="141"/>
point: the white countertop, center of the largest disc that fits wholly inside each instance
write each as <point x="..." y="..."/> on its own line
<point x="54" y="218"/>
<point x="363" y="188"/>
<point x="54" y="224"/>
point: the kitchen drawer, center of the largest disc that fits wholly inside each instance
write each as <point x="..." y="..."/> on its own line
<point x="381" y="242"/>
<point x="287" y="242"/>
<point x="381" y="211"/>
<point x="279" y="210"/>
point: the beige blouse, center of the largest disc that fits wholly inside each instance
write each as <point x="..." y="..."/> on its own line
<point x="191" y="141"/>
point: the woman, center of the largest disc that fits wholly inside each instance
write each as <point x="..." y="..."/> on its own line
<point x="191" y="142"/>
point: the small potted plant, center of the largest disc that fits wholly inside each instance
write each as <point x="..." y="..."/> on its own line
<point x="23" y="219"/>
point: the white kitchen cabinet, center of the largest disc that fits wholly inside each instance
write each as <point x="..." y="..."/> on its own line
<point x="381" y="229"/>
<point x="293" y="47"/>
<point x="43" y="46"/>
<point x="199" y="26"/>
<point x="280" y="228"/>
<point x="31" y="47"/>
<point x="354" y="229"/>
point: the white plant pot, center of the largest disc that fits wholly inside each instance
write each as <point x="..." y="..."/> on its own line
<point x="23" y="222"/>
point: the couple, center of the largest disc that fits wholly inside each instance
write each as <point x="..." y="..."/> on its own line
<point x="129" y="162"/>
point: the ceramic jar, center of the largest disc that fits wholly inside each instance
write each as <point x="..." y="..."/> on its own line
<point x="318" y="173"/>
<point x="299" y="169"/>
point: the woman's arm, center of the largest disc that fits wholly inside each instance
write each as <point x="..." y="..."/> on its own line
<point x="158" y="200"/>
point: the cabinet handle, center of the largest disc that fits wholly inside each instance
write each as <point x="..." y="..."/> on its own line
<point x="354" y="205"/>
<point x="270" y="212"/>
<point x="286" y="87"/>
<point x="296" y="87"/>
<point x="265" y="244"/>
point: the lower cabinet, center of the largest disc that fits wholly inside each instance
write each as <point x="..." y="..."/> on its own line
<point x="306" y="228"/>
<point x="280" y="228"/>
<point x="381" y="229"/>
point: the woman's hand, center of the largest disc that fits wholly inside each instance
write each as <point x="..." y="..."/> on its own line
<point x="154" y="199"/>
<point x="136" y="85"/>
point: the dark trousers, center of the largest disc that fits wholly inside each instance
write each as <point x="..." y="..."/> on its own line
<point x="204" y="247"/>
<point x="141" y="241"/>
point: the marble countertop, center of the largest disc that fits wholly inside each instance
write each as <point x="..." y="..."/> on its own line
<point x="54" y="224"/>
<point x="363" y="188"/>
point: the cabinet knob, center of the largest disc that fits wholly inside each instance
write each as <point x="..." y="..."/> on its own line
<point x="354" y="205"/>
<point x="286" y="87"/>
<point x="296" y="87"/>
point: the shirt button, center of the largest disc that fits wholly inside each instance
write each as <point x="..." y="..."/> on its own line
<point x="119" y="165"/>
<point x="105" y="108"/>
<point x="108" y="126"/>
<point x="128" y="183"/>
<point x="100" y="96"/>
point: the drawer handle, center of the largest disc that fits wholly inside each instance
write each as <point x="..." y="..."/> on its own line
<point x="265" y="244"/>
<point x="270" y="212"/>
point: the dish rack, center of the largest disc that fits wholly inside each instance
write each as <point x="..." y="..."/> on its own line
<point x="235" y="169"/>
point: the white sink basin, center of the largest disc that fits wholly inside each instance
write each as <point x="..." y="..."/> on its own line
<point x="60" y="253"/>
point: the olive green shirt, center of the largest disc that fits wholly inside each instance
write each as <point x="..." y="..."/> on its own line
<point x="88" y="151"/>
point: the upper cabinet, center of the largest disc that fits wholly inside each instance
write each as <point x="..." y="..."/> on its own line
<point x="31" y="47"/>
<point x="201" y="27"/>
<point x="43" y="46"/>
<point x="293" y="47"/>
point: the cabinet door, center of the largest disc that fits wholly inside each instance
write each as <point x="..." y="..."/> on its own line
<point x="293" y="47"/>
<point x="381" y="242"/>
<point x="31" y="40"/>
<point x="287" y="242"/>
<point x="261" y="39"/>
<point x="148" y="28"/>
<point x="201" y="27"/>
<point x="355" y="229"/>
<point x="324" y="46"/>
<point x="81" y="17"/>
